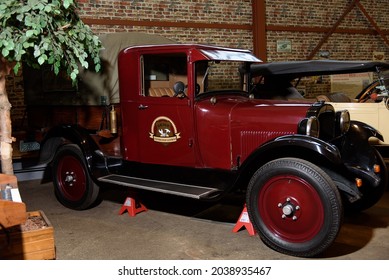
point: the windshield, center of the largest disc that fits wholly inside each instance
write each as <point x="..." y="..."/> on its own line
<point x="218" y="76"/>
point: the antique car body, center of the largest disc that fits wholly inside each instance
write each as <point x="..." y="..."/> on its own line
<point x="187" y="126"/>
<point x="360" y="104"/>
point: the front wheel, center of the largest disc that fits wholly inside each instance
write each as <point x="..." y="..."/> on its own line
<point x="294" y="206"/>
<point x="74" y="188"/>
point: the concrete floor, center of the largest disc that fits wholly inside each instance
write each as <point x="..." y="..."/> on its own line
<point x="176" y="229"/>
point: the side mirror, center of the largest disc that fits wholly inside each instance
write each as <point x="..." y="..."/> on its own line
<point x="179" y="88"/>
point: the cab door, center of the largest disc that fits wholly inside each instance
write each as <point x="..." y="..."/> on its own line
<point x="166" y="124"/>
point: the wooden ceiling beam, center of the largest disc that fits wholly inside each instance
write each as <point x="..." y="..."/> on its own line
<point x="332" y="30"/>
<point x="373" y="23"/>
<point x="259" y="29"/>
<point x="124" y="22"/>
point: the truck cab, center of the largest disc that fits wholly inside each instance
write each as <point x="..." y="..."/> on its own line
<point x="188" y="126"/>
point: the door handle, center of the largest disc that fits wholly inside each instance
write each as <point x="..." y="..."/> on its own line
<point x="143" y="107"/>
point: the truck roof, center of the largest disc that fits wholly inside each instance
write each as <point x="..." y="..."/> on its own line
<point x="208" y="52"/>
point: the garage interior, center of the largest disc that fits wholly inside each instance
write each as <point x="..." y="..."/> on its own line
<point x="176" y="228"/>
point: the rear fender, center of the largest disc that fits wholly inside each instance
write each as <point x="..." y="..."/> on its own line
<point x="66" y="134"/>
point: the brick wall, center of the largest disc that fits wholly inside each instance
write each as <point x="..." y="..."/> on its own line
<point x="228" y="23"/>
<point x="194" y="12"/>
<point x="296" y="16"/>
<point x="199" y="11"/>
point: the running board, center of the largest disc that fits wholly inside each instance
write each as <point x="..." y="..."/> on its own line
<point x="191" y="191"/>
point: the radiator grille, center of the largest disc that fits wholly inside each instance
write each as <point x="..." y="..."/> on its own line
<point x="250" y="140"/>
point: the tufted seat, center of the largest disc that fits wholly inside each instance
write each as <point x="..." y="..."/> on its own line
<point x="323" y="97"/>
<point x="334" y="97"/>
<point x="161" y="91"/>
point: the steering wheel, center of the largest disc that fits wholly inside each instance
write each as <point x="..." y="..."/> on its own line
<point x="370" y="92"/>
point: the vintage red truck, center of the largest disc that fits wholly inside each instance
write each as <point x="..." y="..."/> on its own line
<point x="186" y="125"/>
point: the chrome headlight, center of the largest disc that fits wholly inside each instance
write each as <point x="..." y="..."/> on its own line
<point x="342" y="121"/>
<point x="310" y="126"/>
<point x="313" y="127"/>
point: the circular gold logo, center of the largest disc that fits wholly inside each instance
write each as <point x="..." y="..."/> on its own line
<point x="163" y="130"/>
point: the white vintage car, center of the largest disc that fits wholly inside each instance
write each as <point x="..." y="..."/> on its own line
<point x="361" y="87"/>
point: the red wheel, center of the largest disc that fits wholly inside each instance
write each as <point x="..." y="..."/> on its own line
<point x="73" y="186"/>
<point x="295" y="207"/>
<point x="291" y="208"/>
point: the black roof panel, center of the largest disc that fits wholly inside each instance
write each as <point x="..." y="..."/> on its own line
<point x="294" y="69"/>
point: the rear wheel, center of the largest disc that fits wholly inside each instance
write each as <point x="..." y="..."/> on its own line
<point x="294" y="206"/>
<point x="74" y="188"/>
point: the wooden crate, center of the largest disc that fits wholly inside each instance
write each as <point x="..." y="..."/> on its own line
<point x="34" y="244"/>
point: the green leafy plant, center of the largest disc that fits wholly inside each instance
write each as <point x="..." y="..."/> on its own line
<point x="37" y="32"/>
<point x="47" y="31"/>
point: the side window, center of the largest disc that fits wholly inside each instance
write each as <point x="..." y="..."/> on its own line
<point x="201" y="76"/>
<point x="161" y="72"/>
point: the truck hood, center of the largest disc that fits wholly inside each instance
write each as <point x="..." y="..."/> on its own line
<point x="231" y="127"/>
<point x="243" y="113"/>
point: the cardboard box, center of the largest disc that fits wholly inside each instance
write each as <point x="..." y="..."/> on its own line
<point x="22" y="243"/>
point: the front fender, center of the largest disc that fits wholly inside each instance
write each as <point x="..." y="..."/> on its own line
<point x="358" y="155"/>
<point x="301" y="146"/>
<point x="364" y="131"/>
